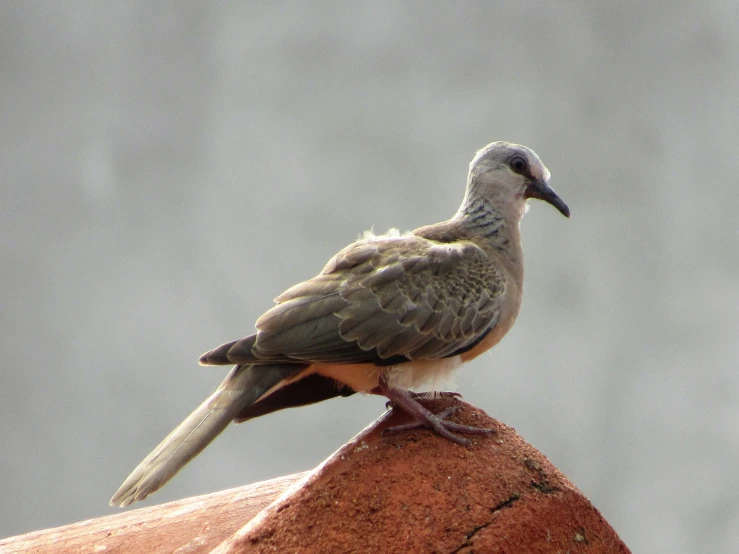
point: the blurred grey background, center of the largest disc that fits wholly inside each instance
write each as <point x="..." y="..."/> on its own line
<point x="166" y="169"/>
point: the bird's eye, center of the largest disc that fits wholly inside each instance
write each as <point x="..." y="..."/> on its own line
<point x="518" y="164"/>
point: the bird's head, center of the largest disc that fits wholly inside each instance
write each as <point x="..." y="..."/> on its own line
<point x="506" y="173"/>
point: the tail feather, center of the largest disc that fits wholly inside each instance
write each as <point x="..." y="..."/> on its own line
<point x="243" y="386"/>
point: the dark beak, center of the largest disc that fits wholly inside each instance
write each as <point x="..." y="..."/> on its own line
<point x="542" y="191"/>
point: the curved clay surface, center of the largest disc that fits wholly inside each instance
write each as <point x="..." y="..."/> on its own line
<point x="417" y="492"/>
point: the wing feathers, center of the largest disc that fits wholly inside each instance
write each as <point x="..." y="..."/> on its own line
<point x="321" y="285"/>
<point x="218" y="356"/>
<point x="299" y="310"/>
<point x="403" y="343"/>
<point x="386" y="275"/>
<point x="379" y="299"/>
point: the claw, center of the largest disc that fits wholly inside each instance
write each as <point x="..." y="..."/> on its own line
<point x="418" y="424"/>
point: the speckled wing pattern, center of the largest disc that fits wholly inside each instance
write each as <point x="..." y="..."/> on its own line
<point x="382" y="300"/>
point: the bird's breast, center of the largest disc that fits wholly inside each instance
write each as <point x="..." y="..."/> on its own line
<point x="415" y="375"/>
<point x="508" y="315"/>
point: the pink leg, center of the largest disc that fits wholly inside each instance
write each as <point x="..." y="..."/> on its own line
<point x="407" y="401"/>
<point x="423" y="396"/>
<point x="436" y="394"/>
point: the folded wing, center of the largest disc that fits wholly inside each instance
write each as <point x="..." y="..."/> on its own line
<point x="383" y="300"/>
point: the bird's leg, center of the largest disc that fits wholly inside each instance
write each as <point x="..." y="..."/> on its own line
<point x="407" y="401"/>
<point x="430" y="395"/>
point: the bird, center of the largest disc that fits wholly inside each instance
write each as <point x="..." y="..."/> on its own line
<point x="386" y="315"/>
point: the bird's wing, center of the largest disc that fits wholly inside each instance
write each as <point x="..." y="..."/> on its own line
<point x="383" y="300"/>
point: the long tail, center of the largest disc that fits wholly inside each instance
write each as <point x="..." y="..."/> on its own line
<point x="244" y="386"/>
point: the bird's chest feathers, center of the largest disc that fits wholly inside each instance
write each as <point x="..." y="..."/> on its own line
<point x="431" y="375"/>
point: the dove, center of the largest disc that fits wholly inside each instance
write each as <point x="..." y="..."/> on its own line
<point x="387" y="315"/>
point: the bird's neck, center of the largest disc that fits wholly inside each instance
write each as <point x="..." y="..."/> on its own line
<point x="483" y="224"/>
<point x="493" y="226"/>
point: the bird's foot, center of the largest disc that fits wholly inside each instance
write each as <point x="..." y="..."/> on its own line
<point x="424" y="418"/>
